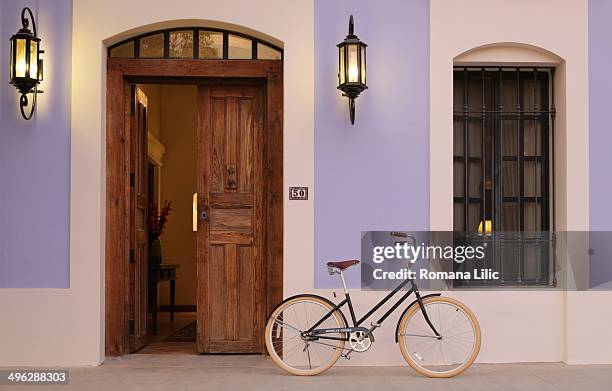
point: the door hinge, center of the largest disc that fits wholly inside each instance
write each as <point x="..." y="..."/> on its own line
<point x="132" y="255"/>
<point x="132" y="179"/>
<point x="132" y="326"/>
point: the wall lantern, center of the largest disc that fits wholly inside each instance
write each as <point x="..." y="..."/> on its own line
<point x="351" y="68"/>
<point x="26" y="67"/>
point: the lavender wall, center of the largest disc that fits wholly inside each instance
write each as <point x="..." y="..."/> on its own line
<point x="600" y="106"/>
<point x="600" y="138"/>
<point x="35" y="156"/>
<point x="373" y="175"/>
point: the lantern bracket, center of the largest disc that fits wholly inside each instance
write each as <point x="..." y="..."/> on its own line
<point x="23" y="103"/>
<point x="26" y="19"/>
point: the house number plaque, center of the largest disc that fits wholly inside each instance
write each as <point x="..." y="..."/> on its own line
<point x="298" y="193"/>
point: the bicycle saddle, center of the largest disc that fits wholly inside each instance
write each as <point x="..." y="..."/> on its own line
<point x="342" y="265"/>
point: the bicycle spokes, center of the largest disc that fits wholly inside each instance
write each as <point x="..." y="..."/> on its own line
<point x="291" y="343"/>
<point x="453" y="349"/>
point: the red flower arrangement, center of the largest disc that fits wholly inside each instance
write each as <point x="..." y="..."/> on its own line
<point x="157" y="220"/>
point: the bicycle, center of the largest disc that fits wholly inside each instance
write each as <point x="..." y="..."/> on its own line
<point x="306" y="334"/>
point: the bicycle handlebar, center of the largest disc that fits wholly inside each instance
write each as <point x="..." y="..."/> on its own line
<point x="406" y="236"/>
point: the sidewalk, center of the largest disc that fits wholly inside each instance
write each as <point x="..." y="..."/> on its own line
<point x="225" y="372"/>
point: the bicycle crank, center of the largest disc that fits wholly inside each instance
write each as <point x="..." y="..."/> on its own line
<point x="360" y="341"/>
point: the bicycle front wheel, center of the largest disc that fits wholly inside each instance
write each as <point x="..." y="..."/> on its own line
<point x="459" y="341"/>
<point x="296" y="353"/>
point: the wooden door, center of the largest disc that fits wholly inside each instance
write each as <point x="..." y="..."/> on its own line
<point x="138" y="274"/>
<point x="231" y="283"/>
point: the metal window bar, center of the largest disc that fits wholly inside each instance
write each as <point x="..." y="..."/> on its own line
<point x="498" y="149"/>
<point x="483" y="160"/>
<point x="466" y="153"/>
<point x="536" y="222"/>
<point x="196" y="44"/>
<point x="225" y="45"/>
<point x="553" y="114"/>
<point x="166" y="44"/>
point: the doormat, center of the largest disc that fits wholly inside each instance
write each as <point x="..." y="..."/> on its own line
<point x="186" y="334"/>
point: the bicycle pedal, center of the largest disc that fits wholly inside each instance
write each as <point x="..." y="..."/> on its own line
<point x="345" y="356"/>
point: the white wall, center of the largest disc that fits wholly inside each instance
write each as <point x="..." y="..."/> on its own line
<point x="554" y="323"/>
<point x="517" y="326"/>
<point x="70" y="323"/>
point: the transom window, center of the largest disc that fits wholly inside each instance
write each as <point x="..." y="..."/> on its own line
<point x="196" y="43"/>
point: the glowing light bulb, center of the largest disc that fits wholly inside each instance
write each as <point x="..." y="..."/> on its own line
<point x="20" y="63"/>
<point x="353" y="69"/>
<point x="33" y="60"/>
<point x="353" y="73"/>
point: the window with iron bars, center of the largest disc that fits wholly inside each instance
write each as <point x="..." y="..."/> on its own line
<point x="503" y="133"/>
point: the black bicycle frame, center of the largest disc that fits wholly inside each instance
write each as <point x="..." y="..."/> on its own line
<point x="357" y="323"/>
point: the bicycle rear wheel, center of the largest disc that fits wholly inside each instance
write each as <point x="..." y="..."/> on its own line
<point x="290" y="350"/>
<point x="449" y="355"/>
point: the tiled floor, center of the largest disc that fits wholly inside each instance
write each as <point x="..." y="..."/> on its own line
<point x="224" y="372"/>
<point x="164" y="329"/>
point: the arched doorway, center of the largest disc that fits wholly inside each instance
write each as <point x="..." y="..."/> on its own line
<point x="238" y="207"/>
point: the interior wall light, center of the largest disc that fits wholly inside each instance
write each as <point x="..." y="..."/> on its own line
<point x="26" y="66"/>
<point x="352" y="68"/>
<point x="485" y="227"/>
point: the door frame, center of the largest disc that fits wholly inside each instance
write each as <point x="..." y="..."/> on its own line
<point x="119" y="73"/>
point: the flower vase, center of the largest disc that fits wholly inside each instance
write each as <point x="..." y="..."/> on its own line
<point x="155" y="252"/>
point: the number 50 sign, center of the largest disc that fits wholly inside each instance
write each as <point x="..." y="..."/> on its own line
<point x="298" y="193"/>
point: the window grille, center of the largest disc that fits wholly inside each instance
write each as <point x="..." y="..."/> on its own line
<point x="503" y="133"/>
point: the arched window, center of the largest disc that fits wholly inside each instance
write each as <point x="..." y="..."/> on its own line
<point x="503" y="161"/>
<point x="196" y="43"/>
<point x="504" y="118"/>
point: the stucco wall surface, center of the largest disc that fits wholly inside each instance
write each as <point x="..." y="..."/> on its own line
<point x="35" y="156"/>
<point x="392" y="170"/>
<point x="73" y="319"/>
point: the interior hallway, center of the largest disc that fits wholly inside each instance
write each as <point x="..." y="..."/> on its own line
<point x="231" y="372"/>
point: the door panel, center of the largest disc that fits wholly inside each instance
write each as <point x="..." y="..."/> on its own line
<point x="138" y="220"/>
<point x="231" y="288"/>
